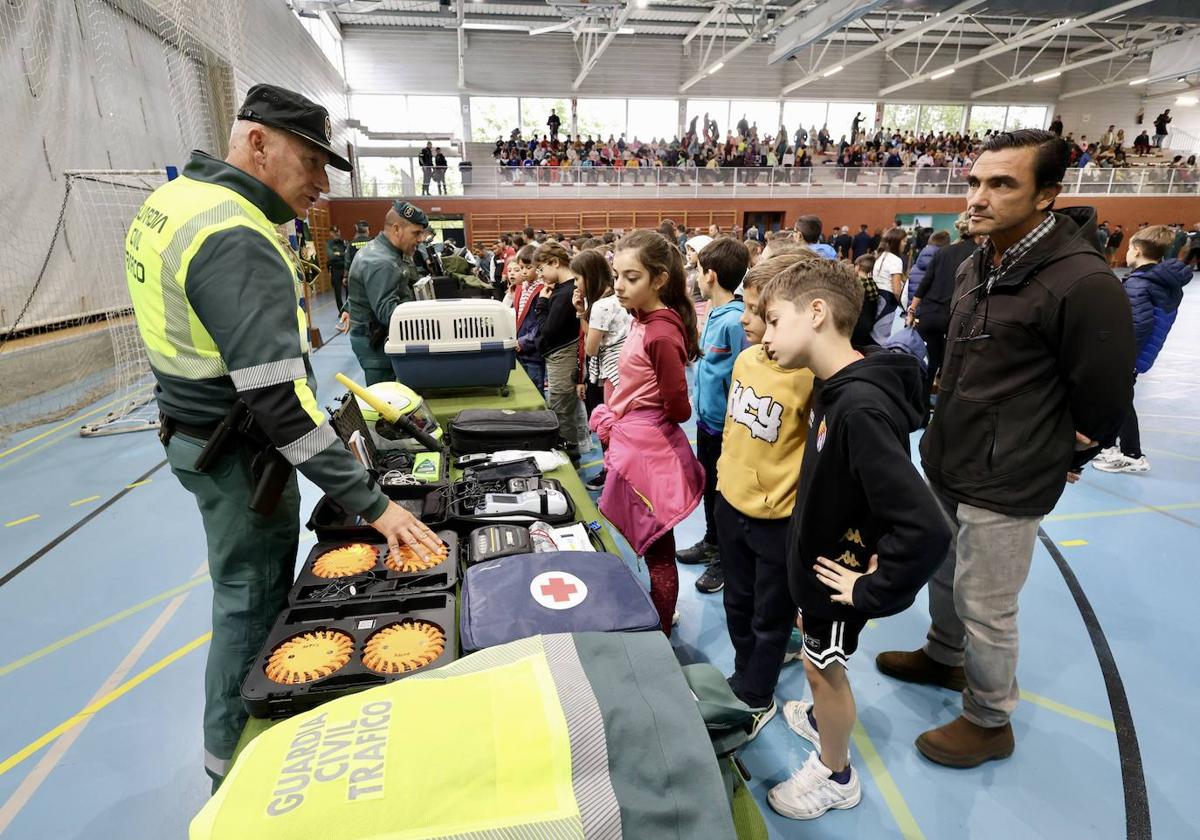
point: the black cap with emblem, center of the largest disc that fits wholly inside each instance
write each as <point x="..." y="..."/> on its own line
<point x="290" y="111"/>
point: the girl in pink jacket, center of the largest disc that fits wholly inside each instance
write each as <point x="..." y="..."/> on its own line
<point x="654" y="480"/>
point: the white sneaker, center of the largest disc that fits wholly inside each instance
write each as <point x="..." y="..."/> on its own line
<point x="1113" y="453"/>
<point x="795" y="714"/>
<point x="1125" y="464"/>
<point x="811" y="791"/>
<point x="761" y="719"/>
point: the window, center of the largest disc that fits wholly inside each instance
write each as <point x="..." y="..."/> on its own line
<point x="600" y="118"/>
<point x="841" y="114"/>
<point x="1026" y="116"/>
<point x="412" y="114"/>
<point x="809" y="114"/>
<point x="434" y="115"/>
<point x="902" y="118"/>
<point x="326" y="36"/>
<point x="493" y="117"/>
<point x="717" y="109"/>
<point x="987" y="118"/>
<point x="380" y="112"/>
<point x="381" y="176"/>
<point x="535" y="112"/>
<point x="941" y="118"/>
<point x="761" y="112"/>
<point x="653" y="119"/>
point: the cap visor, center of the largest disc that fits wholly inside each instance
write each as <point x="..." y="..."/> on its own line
<point x="335" y="160"/>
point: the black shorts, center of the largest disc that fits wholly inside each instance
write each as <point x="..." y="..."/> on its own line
<point x="826" y="640"/>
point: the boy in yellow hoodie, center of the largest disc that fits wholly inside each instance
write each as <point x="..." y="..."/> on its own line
<point x="766" y="426"/>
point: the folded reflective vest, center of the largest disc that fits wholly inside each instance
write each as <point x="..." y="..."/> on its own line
<point x="591" y="735"/>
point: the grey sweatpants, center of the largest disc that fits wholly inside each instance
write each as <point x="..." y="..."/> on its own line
<point x="973" y="606"/>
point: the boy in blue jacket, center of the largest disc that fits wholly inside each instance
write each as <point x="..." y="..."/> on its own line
<point x="723" y="265"/>
<point x="1155" y="289"/>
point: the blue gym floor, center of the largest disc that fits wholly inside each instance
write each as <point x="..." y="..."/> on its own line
<point x="103" y="643"/>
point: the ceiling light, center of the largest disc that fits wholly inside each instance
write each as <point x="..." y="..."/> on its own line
<point x="626" y="30"/>
<point x="643" y="3"/>
<point x="1047" y="77"/>
<point x="1140" y="81"/>
<point x="1186" y="100"/>
<point x="833" y="70"/>
<point x="495" y="27"/>
<point x="941" y="74"/>
<point x="716" y="67"/>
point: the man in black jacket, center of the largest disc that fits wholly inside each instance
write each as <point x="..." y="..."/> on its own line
<point x="425" y="159"/>
<point x="861" y="244"/>
<point x="930" y="307"/>
<point x="1038" y="370"/>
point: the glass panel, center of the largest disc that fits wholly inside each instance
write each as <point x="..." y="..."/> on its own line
<point x="941" y="118"/>
<point x="987" y="118"/>
<point x="493" y="118"/>
<point x="717" y="109"/>
<point x="902" y="118"/>
<point x="841" y="114"/>
<point x="654" y="119"/>
<point x="601" y="117"/>
<point x="760" y="113"/>
<point x="380" y="176"/>
<point x="535" y="112"/>
<point x="434" y="114"/>
<point x="1026" y="116"/>
<point x="809" y="114"/>
<point x="379" y="112"/>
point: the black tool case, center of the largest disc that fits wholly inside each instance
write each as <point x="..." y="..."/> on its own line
<point x="379" y="580"/>
<point x="492" y="430"/>
<point x="333" y="523"/>
<point x="359" y="618"/>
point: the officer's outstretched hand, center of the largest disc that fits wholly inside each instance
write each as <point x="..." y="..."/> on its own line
<point x="400" y="526"/>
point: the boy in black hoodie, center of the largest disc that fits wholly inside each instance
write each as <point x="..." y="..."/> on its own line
<point x="866" y="533"/>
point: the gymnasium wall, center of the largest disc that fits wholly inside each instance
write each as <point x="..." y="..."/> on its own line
<point x="484" y="218"/>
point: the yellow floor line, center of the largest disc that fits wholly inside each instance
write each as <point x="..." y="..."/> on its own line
<point x="892" y="797"/>
<point x="79" y="502"/>
<point x="92" y="708"/>
<point x="1069" y="711"/>
<point x="23" y="520"/>
<point x="1098" y="514"/>
<point x="141" y="483"/>
<point x="100" y="625"/>
<point x="68" y="423"/>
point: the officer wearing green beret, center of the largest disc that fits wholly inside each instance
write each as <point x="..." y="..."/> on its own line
<point x="216" y="296"/>
<point x="382" y="277"/>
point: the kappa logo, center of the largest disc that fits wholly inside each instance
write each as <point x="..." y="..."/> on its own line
<point x="853" y="535"/>
<point x="848" y="559"/>
<point x="558" y="590"/>
<point x="762" y="416"/>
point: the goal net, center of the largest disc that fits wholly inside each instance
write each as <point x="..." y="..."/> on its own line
<point x="101" y="96"/>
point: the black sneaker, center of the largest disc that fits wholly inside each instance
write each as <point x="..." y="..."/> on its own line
<point x="712" y="580"/>
<point x="701" y="553"/>
<point x="596" y="483"/>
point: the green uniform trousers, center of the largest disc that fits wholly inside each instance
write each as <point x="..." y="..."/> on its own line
<point x="375" y="363"/>
<point x="252" y="561"/>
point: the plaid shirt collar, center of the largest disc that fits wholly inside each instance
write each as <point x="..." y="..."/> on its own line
<point x="1015" y="251"/>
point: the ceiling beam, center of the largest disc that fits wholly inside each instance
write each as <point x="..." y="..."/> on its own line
<point x="462" y="45"/>
<point x="1063" y="68"/>
<point x="1049" y="29"/>
<point x="1111" y="83"/>
<point x="589" y="61"/>
<point x="714" y="13"/>
<point x="946" y="18"/>
<point x="761" y="30"/>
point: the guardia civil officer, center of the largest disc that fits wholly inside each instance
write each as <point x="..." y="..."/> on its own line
<point x="362" y="237"/>
<point x="381" y="278"/>
<point x="216" y="295"/>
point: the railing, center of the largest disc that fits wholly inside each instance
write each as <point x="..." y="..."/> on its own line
<point x="770" y="182"/>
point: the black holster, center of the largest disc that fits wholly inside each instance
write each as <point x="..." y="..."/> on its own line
<point x="269" y="470"/>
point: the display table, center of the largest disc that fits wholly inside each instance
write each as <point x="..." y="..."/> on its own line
<point x="523" y="396"/>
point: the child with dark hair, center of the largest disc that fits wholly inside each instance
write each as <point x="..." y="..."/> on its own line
<point x="723" y="265"/>
<point x="866" y="533"/>
<point x="526" y="287"/>
<point x="654" y="480"/>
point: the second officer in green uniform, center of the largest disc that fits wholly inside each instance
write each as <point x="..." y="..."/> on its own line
<point x="382" y="277"/>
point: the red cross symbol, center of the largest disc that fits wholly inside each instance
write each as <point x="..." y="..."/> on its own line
<point x="559" y="589"/>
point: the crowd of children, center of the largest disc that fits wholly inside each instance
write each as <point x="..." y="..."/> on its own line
<point x="816" y="519"/>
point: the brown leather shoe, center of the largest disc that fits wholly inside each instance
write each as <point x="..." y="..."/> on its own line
<point x="916" y="667"/>
<point x="961" y="743"/>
